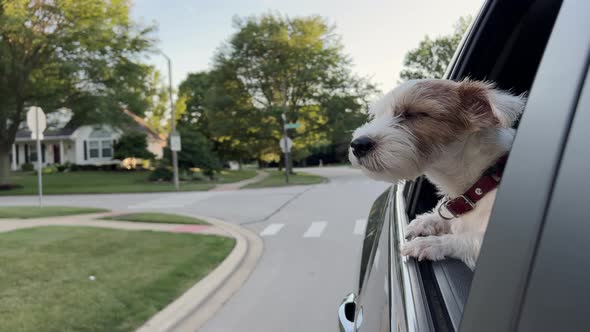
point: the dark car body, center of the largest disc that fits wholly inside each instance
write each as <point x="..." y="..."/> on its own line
<point x="533" y="273"/>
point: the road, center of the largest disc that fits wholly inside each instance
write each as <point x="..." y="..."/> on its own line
<point x="312" y="237"/>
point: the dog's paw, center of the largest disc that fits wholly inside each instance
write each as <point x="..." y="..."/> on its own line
<point x="430" y="248"/>
<point x="426" y="225"/>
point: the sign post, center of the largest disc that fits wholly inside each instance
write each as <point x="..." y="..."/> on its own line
<point x="37" y="123"/>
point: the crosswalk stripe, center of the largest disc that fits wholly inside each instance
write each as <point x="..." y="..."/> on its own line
<point x="360" y="226"/>
<point x="271" y="229"/>
<point x="316" y="229"/>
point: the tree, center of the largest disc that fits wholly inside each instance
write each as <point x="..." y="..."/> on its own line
<point x="432" y="56"/>
<point x="197" y="151"/>
<point x="82" y="55"/>
<point x="133" y="145"/>
<point x="275" y="64"/>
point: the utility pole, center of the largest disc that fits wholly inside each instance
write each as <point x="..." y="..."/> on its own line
<point x="285" y="133"/>
<point x="173" y="121"/>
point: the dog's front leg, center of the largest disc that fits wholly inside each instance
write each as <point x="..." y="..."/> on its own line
<point x="428" y="224"/>
<point x="463" y="246"/>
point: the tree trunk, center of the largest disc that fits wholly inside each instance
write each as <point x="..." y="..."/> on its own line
<point x="4" y="164"/>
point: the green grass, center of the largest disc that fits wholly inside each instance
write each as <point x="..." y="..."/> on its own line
<point x="97" y="182"/>
<point x="165" y="218"/>
<point x="25" y="212"/>
<point x="45" y="286"/>
<point x="277" y="179"/>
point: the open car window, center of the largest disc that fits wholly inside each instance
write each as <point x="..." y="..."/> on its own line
<point x="505" y="45"/>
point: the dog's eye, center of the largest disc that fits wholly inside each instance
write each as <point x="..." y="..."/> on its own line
<point x="414" y="115"/>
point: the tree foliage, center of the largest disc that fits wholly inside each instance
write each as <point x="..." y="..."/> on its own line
<point x="62" y="53"/>
<point x="432" y="56"/>
<point x="274" y="64"/>
<point x="133" y="145"/>
<point x="197" y="151"/>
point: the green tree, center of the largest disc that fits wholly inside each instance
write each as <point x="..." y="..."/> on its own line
<point x="83" y="55"/>
<point x="432" y="56"/>
<point x="197" y="151"/>
<point x="274" y="64"/>
<point x="133" y="145"/>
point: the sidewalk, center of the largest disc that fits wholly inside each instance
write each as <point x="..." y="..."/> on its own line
<point x="260" y="175"/>
<point x="197" y="305"/>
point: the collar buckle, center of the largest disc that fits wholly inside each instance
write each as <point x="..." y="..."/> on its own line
<point x="455" y="214"/>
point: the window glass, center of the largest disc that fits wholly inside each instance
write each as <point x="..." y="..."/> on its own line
<point x="93" y="149"/>
<point x="107" y="149"/>
<point x="33" y="154"/>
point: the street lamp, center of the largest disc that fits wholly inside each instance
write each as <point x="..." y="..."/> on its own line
<point x="173" y="121"/>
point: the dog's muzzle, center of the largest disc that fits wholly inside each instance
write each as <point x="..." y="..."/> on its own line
<point x="361" y="146"/>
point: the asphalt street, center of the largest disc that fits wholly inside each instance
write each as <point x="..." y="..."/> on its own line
<point x="312" y="237"/>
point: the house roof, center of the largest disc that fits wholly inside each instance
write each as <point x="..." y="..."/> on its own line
<point x="138" y="123"/>
<point x="144" y="126"/>
<point x="23" y="133"/>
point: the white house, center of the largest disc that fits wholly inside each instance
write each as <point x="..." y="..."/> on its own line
<point x="84" y="145"/>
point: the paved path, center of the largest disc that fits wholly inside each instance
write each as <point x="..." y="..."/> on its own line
<point x="260" y="175"/>
<point x="91" y="220"/>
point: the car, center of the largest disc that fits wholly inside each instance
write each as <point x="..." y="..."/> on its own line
<point x="533" y="271"/>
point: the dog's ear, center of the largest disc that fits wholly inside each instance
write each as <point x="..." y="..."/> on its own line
<point x="487" y="106"/>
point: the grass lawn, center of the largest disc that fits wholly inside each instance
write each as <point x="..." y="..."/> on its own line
<point x="26" y="212"/>
<point x="165" y="218"/>
<point x="45" y="284"/>
<point x="277" y="179"/>
<point x="93" y="182"/>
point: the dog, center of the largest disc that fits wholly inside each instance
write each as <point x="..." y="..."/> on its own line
<point x="451" y="132"/>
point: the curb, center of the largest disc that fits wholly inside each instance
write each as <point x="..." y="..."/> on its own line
<point x="198" y="304"/>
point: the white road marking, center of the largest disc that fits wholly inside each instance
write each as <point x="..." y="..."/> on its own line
<point x="316" y="229"/>
<point x="360" y="226"/>
<point x="271" y="229"/>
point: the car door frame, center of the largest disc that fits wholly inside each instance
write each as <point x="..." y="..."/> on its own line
<point x="505" y="262"/>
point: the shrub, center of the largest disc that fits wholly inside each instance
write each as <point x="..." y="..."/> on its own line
<point x="49" y="169"/>
<point x="161" y="174"/>
<point x="27" y="167"/>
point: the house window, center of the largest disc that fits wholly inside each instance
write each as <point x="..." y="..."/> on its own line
<point x="100" y="149"/>
<point x="33" y="154"/>
<point x="106" y="148"/>
<point x="93" y="149"/>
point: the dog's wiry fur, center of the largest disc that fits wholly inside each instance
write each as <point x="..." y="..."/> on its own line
<point x="451" y="132"/>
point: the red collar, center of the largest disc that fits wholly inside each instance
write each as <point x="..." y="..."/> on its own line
<point x="466" y="202"/>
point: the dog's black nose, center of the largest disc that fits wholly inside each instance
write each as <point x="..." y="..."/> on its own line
<point x="361" y="146"/>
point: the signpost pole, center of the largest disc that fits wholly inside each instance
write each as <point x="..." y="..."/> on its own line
<point x="39" y="158"/>
<point x="173" y="122"/>
<point x="286" y="135"/>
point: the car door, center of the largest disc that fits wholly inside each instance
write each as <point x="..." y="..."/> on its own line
<point x="512" y="257"/>
<point x="367" y="309"/>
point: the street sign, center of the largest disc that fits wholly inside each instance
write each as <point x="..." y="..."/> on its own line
<point x="288" y="146"/>
<point x="292" y="125"/>
<point x="37" y="121"/>
<point x="175" y="142"/>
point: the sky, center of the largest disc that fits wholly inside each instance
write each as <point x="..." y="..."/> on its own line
<point x="376" y="33"/>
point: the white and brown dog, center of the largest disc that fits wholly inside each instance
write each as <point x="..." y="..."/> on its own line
<point x="452" y="132"/>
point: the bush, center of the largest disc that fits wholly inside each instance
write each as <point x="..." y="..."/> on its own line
<point x="49" y="169"/>
<point x="161" y="174"/>
<point x="27" y="167"/>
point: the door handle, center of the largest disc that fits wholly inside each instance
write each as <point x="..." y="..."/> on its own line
<point x="346" y="313"/>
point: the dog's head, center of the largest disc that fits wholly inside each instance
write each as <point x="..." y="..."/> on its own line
<point x="415" y="122"/>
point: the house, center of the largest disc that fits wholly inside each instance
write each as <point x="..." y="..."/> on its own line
<point x="83" y="145"/>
